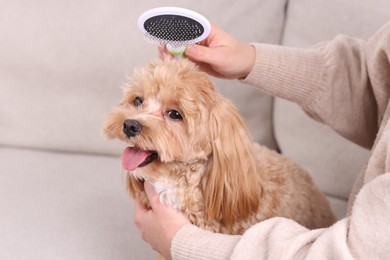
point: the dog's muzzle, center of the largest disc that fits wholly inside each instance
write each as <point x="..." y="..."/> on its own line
<point x="131" y="127"/>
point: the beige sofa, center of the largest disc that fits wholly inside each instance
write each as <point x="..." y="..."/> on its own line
<point x="62" y="189"/>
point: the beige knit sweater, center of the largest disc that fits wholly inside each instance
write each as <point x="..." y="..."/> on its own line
<point x="345" y="84"/>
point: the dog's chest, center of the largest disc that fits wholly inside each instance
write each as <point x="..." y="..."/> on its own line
<point x="179" y="186"/>
<point x="167" y="194"/>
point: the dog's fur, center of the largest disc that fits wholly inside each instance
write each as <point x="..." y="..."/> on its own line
<point x="207" y="165"/>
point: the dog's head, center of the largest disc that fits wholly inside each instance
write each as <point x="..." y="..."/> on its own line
<point x="163" y="115"/>
<point x="170" y="113"/>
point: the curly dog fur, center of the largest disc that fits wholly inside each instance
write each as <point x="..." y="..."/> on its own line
<point x="191" y="143"/>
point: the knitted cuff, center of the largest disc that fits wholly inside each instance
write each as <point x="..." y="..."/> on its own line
<point x="191" y="242"/>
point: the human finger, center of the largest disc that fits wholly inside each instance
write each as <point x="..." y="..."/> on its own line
<point x="139" y="211"/>
<point x="153" y="196"/>
<point x="215" y="32"/>
<point x="163" y="53"/>
<point x="203" y="54"/>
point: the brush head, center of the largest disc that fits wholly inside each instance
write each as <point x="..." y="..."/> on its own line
<point x="175" y="27"/>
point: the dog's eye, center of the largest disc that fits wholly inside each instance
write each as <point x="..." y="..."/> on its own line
<point x="138" y="101"/>
<point x="174" y="115"/>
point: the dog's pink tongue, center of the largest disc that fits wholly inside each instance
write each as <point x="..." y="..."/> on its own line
<point x="133" y="157"/>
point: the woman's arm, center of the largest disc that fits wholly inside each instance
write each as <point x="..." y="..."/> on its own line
<point x="342" y="83"/>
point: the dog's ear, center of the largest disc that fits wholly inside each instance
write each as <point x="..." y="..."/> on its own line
<point x="229" y="187"/>
<point x="134" y="185"/>
<point x="113" y="124"/>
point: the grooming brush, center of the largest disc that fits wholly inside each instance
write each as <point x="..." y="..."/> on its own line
<point x="174" y="27"/>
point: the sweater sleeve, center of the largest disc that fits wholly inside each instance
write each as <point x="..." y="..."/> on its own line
<point x="341" y="83"/>
<point x="191" y="242"/>
<point x="363" y="235"/>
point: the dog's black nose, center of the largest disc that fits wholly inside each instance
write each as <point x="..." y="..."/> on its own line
<point x="131" y="127"/>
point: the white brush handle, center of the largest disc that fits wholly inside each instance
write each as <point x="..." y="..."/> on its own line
<point x="177" y="51"/>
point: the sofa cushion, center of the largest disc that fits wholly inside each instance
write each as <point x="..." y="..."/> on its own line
<point x="62" y="65"/>
<point x="333" y="161"/>
<point x="66" y="206"/>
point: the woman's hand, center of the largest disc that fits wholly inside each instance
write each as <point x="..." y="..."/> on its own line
<point x="159" y="224"/>
<point x="220" y="55"/>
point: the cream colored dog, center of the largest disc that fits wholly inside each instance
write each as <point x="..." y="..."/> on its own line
<point x="191" y="143"/>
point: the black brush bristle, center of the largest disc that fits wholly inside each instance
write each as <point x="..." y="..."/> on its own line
<point x="173" y="28"/>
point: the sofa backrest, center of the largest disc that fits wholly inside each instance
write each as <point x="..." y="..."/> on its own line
<point x="62" y="65"/>
<point x="332" y="161"/>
